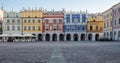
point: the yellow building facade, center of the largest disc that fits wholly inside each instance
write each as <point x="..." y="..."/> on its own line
<point x="32" y="21"/>
<point x="95" y="27"/>
<point x="95" y="23"/>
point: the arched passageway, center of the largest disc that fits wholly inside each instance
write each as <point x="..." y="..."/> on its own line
<point x="97" y="37"/>
<point x="40" y="37"/>
<point x="68" y="37"/>
<point x="61" y="37"/>
<point x="54" y="37"/>
<point x="89" y="36"/>
<point x="82" y="37"/>
<point x="47" y="37"/>
<point x="75" y="37"/>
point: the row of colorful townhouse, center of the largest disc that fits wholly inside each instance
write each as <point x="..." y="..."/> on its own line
<point x="53" y="25"/>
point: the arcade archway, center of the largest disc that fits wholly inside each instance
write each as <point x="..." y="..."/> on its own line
<point x="75" y="37"/>
<point x="54" y="37"/>
<point x="82" y="37"/>
<point x="89" y="36"/>
<point x="68" y="37"/>
<point x="61" y="37"/>
<point x="47" y="37"/>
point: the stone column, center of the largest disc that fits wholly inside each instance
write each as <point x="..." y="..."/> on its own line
<point x="71" y="37"/>
<point x="51" y="37"/>
<point x="43" y="37"/>
<point x="36" y="37"/>
<point x="93" y="37"/>
<point x="58" y="37"/>
<point x="79" y="35"/>
<point x="64" y="37"/>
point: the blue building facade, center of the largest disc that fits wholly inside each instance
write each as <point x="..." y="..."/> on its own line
<point x="75" y="26"/>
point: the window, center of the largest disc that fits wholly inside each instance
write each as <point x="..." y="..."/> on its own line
<point x="54" y="21"/>
<point x="97" y="28"/>
<point x="46" y="27"/>
<point x="28" y="16"/>
<point x="33" y="21"/>
<point x="115" y="22"/>
<point x="29" y="21"/>
<point x="39" y="21"/>
<point x="33" y="27"/>
<point x="25" y="28"/>
<point x="60" y="28"/>
<point x="25" y="21"/>
<point x="119" y="20"/>
<point x="18" y="28"/>
<point x="90" y="27"/>
<point x="111" y="23"/>
<point x="83" y="28"/>
<point x="54" y="28"/>
<point x="29" y="28"/>
<point x="13" y="27"/>
<point x="67" y="18"/>
<point x="8" y="28"/>
<point x="39" y="28"/>
<point x="60" y="21"/>
<point x="119" y="10"/>
<point x="13" y="21"/>
<point x="68" y="29"/>
<point x="46" y="21"/>
<point x="107" y="15"/>
<point x="35" y="16"/>
<point x="104" y="25"/>
<point x="18" y="20"/>
<point x="107" y="24"/>
<point x="17" y="15"/>
<point x="8" y="21"/>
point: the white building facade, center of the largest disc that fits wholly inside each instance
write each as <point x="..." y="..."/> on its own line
<point x="12" y="23"/>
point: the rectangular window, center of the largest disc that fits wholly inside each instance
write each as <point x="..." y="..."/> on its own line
<point x="13" y="21"/>
<point x="39" y="21"/>
<point x="8" y="21"/>
<point x="83" y="28"/>
<point x="25" y="21"/>
<point x="18" y="21"/>
<point x="13" y="27"/>
<point x="29" y="28"/>
<point x="119" y="20"/>
<point x="46" y="21"/>
<point x="54" y="28"/>
<point x="111" y="23"/>
<point x="18" y="28"/>
<point x="115" y="22"/>
<point x="46" y="27"/>
<point x="54" y="21"/>
<point x="107" y="24"/>
<point x="60" y="28"/>
<point x="33" y="27"/>
<point x="25" y="28"/>
<point x="91" y="28"/>
<point x="29" y="21"/>
<point x="33" y="21"/>
<point x="60" y="21"/>
<point x="104" y="25"/>
<point x="39" y="28"/>
<point x="97" y="28"/>
<point x="8" y="28"/>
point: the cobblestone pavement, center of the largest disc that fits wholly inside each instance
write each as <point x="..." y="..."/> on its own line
<point x="60" y="52"/>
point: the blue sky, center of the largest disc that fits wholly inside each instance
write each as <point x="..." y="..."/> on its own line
<point x="92" y="6"/>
